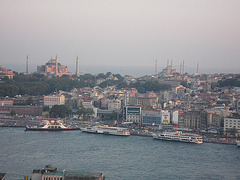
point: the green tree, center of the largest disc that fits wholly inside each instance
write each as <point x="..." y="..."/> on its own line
<point x="86" y="113"/>
<point x="60" y="111"/>
<point x="232" y="131"/>
<point x="121" y="85"/>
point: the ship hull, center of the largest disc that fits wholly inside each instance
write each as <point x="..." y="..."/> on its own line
<point x="105" y="133"/>
<point x="45" y="129"/>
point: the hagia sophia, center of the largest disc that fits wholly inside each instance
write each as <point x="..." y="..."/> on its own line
<point x="54" y="68"/>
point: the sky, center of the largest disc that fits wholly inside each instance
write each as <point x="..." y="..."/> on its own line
<point x="121" y="35"/>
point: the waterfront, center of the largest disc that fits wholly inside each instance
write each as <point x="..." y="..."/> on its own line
<point x="133" y="157"/>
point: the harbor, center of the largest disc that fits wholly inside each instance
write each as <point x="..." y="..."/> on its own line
<point x="115" y="156"/>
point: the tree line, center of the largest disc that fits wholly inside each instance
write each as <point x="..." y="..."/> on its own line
<point x="37" y="84"/>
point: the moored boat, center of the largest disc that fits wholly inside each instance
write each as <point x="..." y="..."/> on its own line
<point x="179" y="136"/>
<point x="52" y="125"/>
<point x="238" y="143"/>
<point x="118" y="131"/>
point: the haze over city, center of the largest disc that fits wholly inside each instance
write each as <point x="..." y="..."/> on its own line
<point x="124" y="36"/>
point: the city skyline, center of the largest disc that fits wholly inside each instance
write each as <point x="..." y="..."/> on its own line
<point x="121" y="34"/>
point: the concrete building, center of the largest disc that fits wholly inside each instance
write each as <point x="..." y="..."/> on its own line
<point x="114" y="105"/>
<point x="51" y="173"/>
<point x="132" y="114"/>
<point x="232" y="122"/>
<point x="165" y="116"/>
<point x="88" y="104"/>
<point x="23" y="110"/>
<point x="54" y="100"/>
<point x="174" y="118"/>
<point x="103" y="103"/>
<point x="151" y="117"/>
<point x="195" y="120"/>
<point x="238" y="105"/>
<point x="147" y="102"/>
<point x="6" y="102"/>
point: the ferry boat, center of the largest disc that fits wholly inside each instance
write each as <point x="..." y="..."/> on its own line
<point x="52" y="125"/>
<point x="117" y="131"/>
<point x="179" y="136"/>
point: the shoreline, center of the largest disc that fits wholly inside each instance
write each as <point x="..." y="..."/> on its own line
<point x="205" y="140"/>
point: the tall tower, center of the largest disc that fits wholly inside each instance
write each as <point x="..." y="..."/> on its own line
<point x="27" y="66"/>
<point x="56" y="73"/>
<point x="183" y="67"/>
<point x="156" y="67"/>
<point x="197" y="68"/>
<point x="77" y="67"/>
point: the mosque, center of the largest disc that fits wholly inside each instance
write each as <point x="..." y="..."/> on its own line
<point x="54" y="68"/>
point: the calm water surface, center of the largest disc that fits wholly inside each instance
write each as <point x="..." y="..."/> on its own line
<point x="123" y="158"/>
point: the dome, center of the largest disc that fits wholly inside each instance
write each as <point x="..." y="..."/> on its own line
<point x="52" y="62"/>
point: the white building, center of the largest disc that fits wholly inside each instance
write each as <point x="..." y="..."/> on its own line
<point x="165" y="117"/>
<point x="132" y="114"/>
<point x="175" y="117"/>
<point x="54" y="100"/>
<point x="232" y="122"/>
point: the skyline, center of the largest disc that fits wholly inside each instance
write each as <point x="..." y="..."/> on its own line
<point x="122" y="34"/>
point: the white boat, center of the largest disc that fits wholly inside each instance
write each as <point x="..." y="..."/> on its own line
<point x="179" y="136"/>
<point x="238" y="143"/>
<point x="51" y="126"/>
<point x="118" y="131"/>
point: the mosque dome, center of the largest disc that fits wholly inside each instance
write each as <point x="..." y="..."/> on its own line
<point x="52" y="62"/>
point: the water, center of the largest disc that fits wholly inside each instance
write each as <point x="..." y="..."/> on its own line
<point x="122" y="158"/>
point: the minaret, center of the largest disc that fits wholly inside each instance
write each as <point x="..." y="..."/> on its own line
<point x="183" y="67"/>
<point x="27" y="66"/>
<point x="77" y="67"/>
<point x="56" y="66"/>
<point x="156" y="67"/>
<point x="197" y="68"/>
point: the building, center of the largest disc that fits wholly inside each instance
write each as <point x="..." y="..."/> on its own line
<point x="165" y="116"/>
<point x="53" y="67"/>
<point x="195" y="119"/>
<point x="232" y="123"/>
<point x="238" y="106"/>
<point x="147" y="102"/>
<point x="151" y="117"/>
<point x="6" y="102"/>
<point x="175" y="117"/>
<point x="51" y="173"/>
<point x="23" y="110"/>
<point x="114" y="105"/>
<point x="6" y="72"/>
<point x="132" y="114"/>
<point x="54" y="100"/>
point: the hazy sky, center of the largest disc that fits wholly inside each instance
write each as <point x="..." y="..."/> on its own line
<point x="122" y="33"/>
